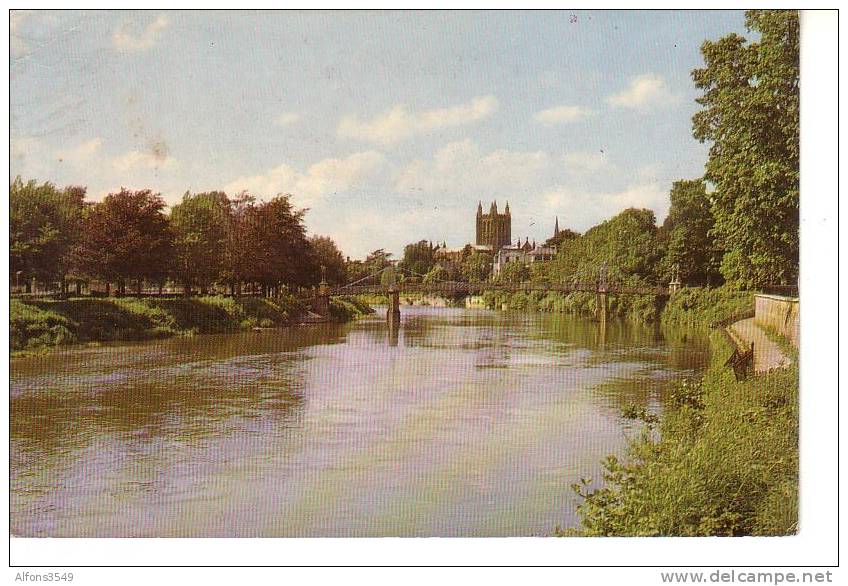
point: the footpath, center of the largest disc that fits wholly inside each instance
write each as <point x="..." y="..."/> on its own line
<point x="768" y="355"/>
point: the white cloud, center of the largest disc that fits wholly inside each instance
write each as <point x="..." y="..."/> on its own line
<point x="562" y="115"/>
<point x="81" y="154"/>
<point x="461" y="166"/>
<point x="584" y="162"/>
<point x="582" y="210"/>
<point x="398" y="123"/>
<point x="318" y="180"/>
<point x="155" y="158"/>
<point x="126" y="40"/>
<point x="287" y="119"/>
<point x="644" y="91"/>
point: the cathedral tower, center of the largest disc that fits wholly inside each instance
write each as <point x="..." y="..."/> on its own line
<point x="493" y="229"/>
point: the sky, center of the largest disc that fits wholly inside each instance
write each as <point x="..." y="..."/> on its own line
<point x="388" y="127"/>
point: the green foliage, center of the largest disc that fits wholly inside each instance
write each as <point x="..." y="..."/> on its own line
<point x="43" y="225"/>
<point x="726" y="463"/>
<point x="38" y="324"/>
<point x="686" y="232"/>
<point x="279" y="250"/>
<point x="199" y="225"/>
<point x="438" y="274"/>
<point x="562" y="238"/>
<point x="417" y="258"/>
<point x="476" y="267"/>
<point x="328" y="255"/>
<point x="346" y="309"/>
<point x="751" y="117"/>
<point x="702" y="305"/>
<point x="376" y="261"/>
<point x="628" y="243"/>
<point x="513" y="272"/>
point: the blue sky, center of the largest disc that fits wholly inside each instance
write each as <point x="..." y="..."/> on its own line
<point x="388" y="126"/>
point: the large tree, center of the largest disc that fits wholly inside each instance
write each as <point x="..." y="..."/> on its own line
<point x="199" y="225"/>
<point x="751" y="117"/>
<point x="476" y="267"/>
<point x="627" y="244"/>
<point x="44" y="223"/>
<point x="686" y="235"/>
<point x="126" y="238"/>
<point x="286" y="256"/>
<point x="417" y="258"/>
<point x="328" y="255"/>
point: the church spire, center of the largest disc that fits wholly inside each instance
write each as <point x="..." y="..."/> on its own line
<point x="556" y="227"/>
<point x="479" y="208"/>
<point x="506" y="211"/>
<point x="494" y="209"/>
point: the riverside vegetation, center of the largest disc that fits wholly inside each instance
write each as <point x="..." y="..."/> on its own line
<point x="40" y="324"/>
<point x="726" y="461"/>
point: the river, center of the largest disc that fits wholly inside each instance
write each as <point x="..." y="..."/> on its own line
<point x="463" y="423"/>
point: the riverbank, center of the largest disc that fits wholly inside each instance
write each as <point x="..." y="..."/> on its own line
<point x="726" y="462"/>
<point x="640" y="308"/>
<point x="36" y="325"/>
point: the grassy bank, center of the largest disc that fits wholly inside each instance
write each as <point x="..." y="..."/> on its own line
<point x="726" y="461"/>
<point x="39" y="324"/>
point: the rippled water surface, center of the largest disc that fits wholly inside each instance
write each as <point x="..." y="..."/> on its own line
<point x="463" y="423"/>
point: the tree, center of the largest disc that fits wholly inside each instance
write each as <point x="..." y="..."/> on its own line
<point x="199" y="225"/>
<point x="239" y="248"/>
<point x="437" y="274"/>
<point x="751" y="116"/>
<point x="627" y="243"/>
<point x="417" y="258"/>
<point x="281" y="253"/>
<point x="513" y="272"/>
<point x="476" y="267"/>
<point x="43" y="226"/>
<point x="686" y="232"/>
<point x="125" y="237"/>
<point x="376" y="261"/>
<point x="564" y="236"/>
<point x="327" y="254"/>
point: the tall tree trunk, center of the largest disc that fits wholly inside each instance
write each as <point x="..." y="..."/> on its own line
<point x="122" y="287"/>
<point x="108" y="289"/>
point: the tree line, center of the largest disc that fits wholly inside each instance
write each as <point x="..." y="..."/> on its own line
<point x="739" y="223"/>
<point x="208" y="240"/>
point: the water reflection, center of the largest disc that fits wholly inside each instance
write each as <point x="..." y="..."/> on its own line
<point x="458" y="422"/>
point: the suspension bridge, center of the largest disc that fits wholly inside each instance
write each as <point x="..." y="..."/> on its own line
<point x="384" y="282"/>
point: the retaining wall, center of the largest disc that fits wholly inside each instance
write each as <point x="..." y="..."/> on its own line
<point x="781" y="314"/>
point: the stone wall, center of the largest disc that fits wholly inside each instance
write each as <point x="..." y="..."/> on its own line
<point x="780" y="314"/>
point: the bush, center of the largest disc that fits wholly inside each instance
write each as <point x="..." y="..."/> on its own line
<point x="702" y="305"/>
<point x="726" y="463"/>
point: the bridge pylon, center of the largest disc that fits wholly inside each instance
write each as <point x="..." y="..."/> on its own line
<point x="393" y="312"/>
<point x="602" y="296"/>
<point x="322" y="300"/>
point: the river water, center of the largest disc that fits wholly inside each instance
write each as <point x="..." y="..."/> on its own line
<point x="462" y="423"/>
